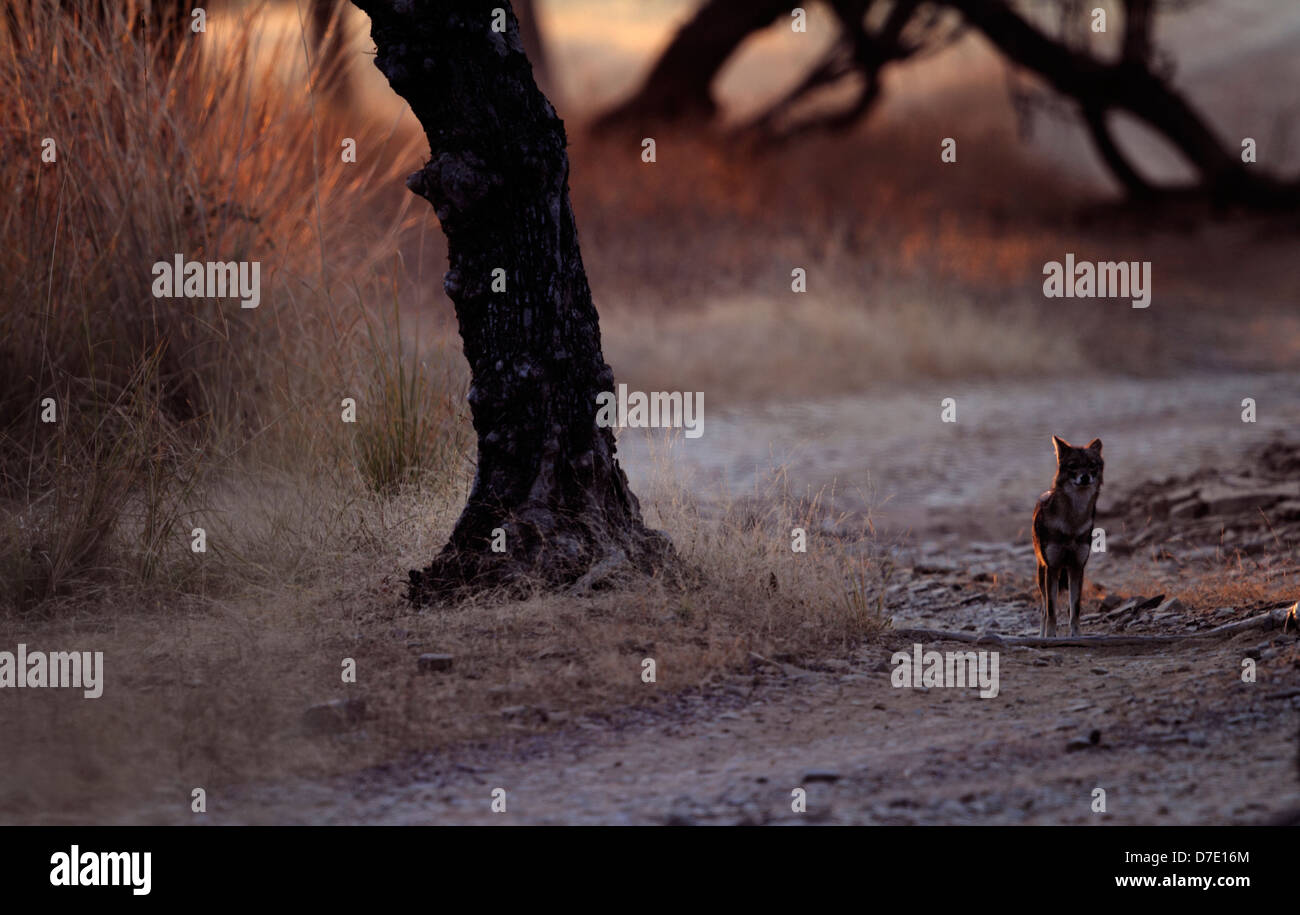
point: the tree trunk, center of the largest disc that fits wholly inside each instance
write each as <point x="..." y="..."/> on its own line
<point x="548" y="480"/>
<point x="678" y="87"/>
<point x="530" y="33"/>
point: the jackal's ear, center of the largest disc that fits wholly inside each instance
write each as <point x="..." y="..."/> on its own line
<point x="1095" y="445"/>
<point x="1062" y="447"/>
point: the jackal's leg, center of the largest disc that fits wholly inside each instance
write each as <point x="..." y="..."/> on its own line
<point x="1049" y="604"/>
<point x="1076" y="589"/>
<point x="1042" y="600"/>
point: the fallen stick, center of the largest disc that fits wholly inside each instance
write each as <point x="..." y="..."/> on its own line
<point x="1273" y="619"/>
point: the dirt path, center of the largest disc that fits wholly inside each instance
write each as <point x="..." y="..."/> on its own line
<point x="1170" y="735"/>
<point x="1181" y="740"/>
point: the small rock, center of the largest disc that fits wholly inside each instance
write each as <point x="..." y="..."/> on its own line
<point x="1191" y="508"/>
<point x="1110" y="602"/>
<point x="1100" y="670"/>
<point x="1226" y="501"/>
<point x="431" y="662"/>
<point x="1287" y="511"/>
<point x="1165" y="501"/>
<point x="1171" y="607"/>
<point x="1078" y="743"/>
<point x="1094" y="736"/>
<point x="1123" y="608"/>
<point x="934" y="567"/>
<point x="830" y="776"/>
<point x="1149" y="603"/>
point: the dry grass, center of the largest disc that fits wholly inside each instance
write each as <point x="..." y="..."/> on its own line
<point x="914" y="269"/>
<point x="161" y="402"/>
<point x="212" y="690"/>
<point x="1208" y="585"/>
<point x="858" y="345"/>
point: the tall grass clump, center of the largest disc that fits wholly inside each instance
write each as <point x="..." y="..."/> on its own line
<point x="122" y="151"/>
<point x="412" y="424"/>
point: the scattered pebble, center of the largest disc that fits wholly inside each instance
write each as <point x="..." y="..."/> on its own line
<point x="830" y="776"/>
<point x="431" y="662"/>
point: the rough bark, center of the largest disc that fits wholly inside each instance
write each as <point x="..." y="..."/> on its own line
<point x="530" y="33"/>
<point x="547" y="475"/>
<point x="329" y="44"/>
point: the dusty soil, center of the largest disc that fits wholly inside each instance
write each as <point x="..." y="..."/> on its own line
<point x="1171" y="733"/>
<point x="1179" y="738"/>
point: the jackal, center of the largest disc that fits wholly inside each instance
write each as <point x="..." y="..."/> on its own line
<point x="1063" y="520"/>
